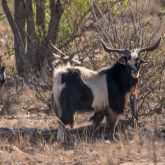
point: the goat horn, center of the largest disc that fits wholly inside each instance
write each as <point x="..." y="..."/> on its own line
<point x="72" y="56"/>
<point x="56" y="56"/>
<point x="150" y="48"/>
<point x="76" y="62"/>
<point x="57" y="49"/>
<point x="107" y="49"/>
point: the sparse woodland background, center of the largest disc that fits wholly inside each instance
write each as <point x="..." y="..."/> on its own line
<point x="27" y="29"/>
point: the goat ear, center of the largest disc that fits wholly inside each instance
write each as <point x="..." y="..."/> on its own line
<point x="123" y="60"/>
<point x="143" y="62"/>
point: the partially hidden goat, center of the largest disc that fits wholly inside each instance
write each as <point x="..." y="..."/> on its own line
<point x="63" y="59"/>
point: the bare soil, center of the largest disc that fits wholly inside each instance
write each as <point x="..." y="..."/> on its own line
<point x="28" y="131"/>
<point x="28" y="136"/>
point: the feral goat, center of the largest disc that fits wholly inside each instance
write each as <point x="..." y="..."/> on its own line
<point x="106" y="91"/>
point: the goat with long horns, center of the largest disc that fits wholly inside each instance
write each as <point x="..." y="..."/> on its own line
<point x="105" y="91"/>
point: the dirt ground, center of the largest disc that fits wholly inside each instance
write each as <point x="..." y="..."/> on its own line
<point x="28" y="130"/>
<point x="28" y="136"/>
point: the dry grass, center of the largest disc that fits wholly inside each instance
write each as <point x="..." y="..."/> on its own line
<point x="142" y="145"/>
<point x="137" y="151"/>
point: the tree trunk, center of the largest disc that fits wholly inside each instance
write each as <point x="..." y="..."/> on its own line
<point x="18" y="37"/>
<point x="31" y="42"/>
<point x="40" y="18"/>
<point x="45" y="49"/>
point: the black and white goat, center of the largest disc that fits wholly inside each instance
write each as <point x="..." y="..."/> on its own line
<point x="106" y="91"/>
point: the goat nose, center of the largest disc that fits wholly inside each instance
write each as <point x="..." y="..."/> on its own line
<point x="134" y="70"/>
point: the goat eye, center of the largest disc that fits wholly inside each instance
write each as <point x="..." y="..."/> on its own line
<point x="137" y="59"/>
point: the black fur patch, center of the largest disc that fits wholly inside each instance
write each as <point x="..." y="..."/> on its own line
<point x="120" y="83"/>
<point x="74" y="96"/>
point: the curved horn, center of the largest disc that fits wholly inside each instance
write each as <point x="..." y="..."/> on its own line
<point x="72" y="56"/>
<point x="150" y="48"/>
<point x="76" y="62"/>
<point x="57" y="56"/>
<point x="107" y="49"/>
<point x="57" y="49"/>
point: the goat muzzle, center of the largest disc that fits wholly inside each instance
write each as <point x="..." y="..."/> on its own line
<point x="135" y="74"/>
